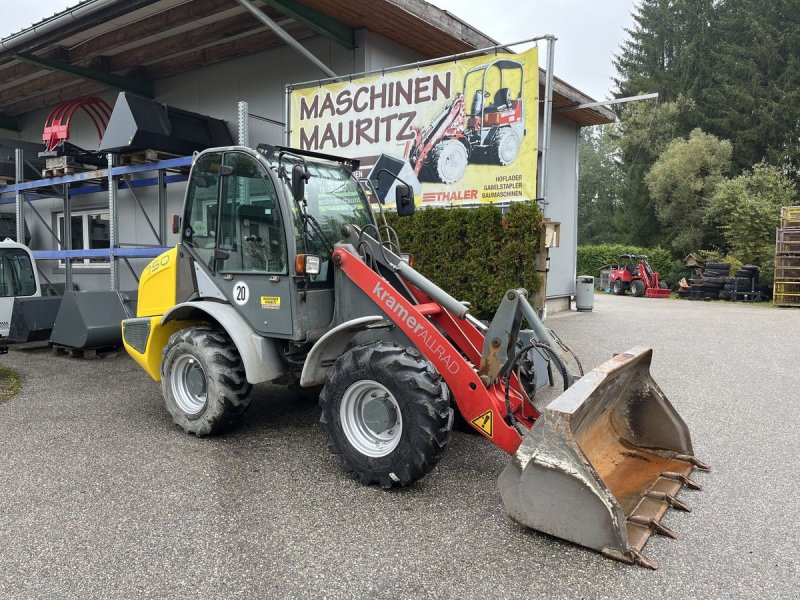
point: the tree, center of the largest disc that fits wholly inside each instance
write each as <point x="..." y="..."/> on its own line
<point x="753" y="94"/>
<point x="646" y="128"/>
<point x="599" y="184"/>
<point x="681" y="183"/>
<point x="747" y="209"/>
<point x="667" y="49"/>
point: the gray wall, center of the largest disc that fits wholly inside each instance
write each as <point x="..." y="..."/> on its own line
<point x="562" y="206"/>
<point x="260" y="79"/>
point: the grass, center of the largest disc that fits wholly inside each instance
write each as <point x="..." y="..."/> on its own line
<point x="9" y="383"/>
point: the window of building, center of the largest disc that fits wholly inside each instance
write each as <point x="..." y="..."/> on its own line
<point x="89" y="232"/>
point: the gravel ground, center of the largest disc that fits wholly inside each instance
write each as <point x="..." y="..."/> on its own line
<point x="101" y="497"/>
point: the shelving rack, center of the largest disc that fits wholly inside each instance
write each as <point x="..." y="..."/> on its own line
<point x="110" y="180"/>
<point x="787" y="259"/>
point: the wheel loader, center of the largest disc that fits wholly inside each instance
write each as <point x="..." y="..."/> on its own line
<point x="283" y="274"/>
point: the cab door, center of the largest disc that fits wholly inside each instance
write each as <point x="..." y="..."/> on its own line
<point x="249" y="259"/>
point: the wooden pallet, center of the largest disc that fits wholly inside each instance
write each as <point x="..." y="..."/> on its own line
<point x="61" y="171"/>
<point x="106" y="352"/>
<point x="144" y="156"/>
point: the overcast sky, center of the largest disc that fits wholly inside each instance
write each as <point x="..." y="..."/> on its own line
<point x="589" y="32"/>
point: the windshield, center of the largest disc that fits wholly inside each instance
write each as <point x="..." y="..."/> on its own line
<point x="334" y="199"/>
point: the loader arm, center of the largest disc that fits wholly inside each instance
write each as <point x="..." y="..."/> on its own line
<point x="600" y="466"/>
<point x="484" y="407"/>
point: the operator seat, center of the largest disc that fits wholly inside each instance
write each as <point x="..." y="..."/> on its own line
<point x="502" y="100"/>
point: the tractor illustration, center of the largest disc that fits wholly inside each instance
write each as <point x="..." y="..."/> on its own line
<point x="491" y="133"/>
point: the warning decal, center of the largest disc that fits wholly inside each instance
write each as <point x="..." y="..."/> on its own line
<point x="270" y="302"/>
<point x="484" y="422"/>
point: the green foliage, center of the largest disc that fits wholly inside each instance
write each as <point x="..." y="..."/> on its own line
<point x="747" y="209"/>
<point x="475" y="254"/>
<point x="592" y="258"/>
<point x="681" y="182"/>
<point x="646" y="129"/>
<point x="599" y="185"/>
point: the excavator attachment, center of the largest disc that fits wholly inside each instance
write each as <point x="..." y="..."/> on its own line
<point x="604" y="462"/>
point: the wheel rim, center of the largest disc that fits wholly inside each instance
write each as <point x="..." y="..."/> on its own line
<point x="371" y="419"/>
<point x="509" y="146"/>
<point x="188" y="381"/>
<point x="453" y="161"/>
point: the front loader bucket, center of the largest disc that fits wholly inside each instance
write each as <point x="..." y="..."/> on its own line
<point x="603" y="462"/>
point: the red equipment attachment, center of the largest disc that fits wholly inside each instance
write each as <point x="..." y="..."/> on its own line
<point x="56" y="126"/>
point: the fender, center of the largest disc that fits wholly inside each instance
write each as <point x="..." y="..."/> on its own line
<point x="259" y="355"/>
<point x="330" y="347"/>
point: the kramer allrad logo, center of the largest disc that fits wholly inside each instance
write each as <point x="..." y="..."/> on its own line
<point x="393" y="305"/>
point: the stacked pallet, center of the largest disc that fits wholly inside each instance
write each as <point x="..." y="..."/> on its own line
<point x="787" y="258"/>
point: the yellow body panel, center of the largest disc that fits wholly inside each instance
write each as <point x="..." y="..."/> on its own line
<point x="157" y="286"/>
<point x="150" y="360"/>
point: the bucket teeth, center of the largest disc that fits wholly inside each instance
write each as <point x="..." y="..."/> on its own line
<point x="669" y="499"/>
<point x="690" y="483"/>
<point x="656" y="526"/>
<point x="639" y="559"/>
<point x="694" y="460"/>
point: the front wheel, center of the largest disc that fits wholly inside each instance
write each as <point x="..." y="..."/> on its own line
<point x="638" y="288"/>
<point x="203" y="380"/>
<point x="386" y="413"/>
<point x="618" y="287"/>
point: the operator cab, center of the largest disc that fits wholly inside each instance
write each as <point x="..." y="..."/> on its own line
<point x="261" y="226"/>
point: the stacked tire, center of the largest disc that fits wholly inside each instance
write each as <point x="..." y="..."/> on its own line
<point x="713" y="280"/>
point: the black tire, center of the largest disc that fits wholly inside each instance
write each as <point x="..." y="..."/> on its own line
<point x="446" y="163"/>
<point x="221" y="375"/>
<point x="618" y="287"/>
<point x="638" y="288"/>
<point x="504" y="147"/>
<point x="414" y="387"/>
<point x="715" y="280"/>
<point x="725" y="295"/>
<point x="663" y="285"/>
<point x="723" y="268"/>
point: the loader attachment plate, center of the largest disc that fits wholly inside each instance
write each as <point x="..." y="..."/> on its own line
<point x="604" y="462"/>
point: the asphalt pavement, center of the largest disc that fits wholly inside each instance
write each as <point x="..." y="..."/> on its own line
<point x="102" y="497"/>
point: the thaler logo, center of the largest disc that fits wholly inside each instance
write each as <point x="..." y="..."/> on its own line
<point x="427" y="338"/>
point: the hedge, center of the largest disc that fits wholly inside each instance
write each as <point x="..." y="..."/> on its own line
<point x="475" y="254"/>
<point x="591" y="258"/>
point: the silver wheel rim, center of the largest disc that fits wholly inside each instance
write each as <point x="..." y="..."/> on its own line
<point x="188" y="381"/>
<point x="509" y="146"/>
<point x="370" y="418"/>
<point x="453" y="161"/>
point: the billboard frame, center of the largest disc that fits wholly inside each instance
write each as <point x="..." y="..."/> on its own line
<point x="547" y="115"/>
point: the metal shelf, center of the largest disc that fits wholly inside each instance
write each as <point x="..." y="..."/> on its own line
<point x="107" y="180"/>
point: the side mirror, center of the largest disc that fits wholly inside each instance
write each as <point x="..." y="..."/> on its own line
<point x="299" y="178"/>
<point x="404" y="198"/>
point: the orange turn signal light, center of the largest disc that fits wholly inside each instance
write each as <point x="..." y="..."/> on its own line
<point x="307" y="264"/>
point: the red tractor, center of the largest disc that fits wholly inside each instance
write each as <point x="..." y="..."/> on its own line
<point x="491" y="133"/>
<point x="635" y="273"/>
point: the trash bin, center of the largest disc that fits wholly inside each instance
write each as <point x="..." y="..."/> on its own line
<point x="584" y="293"/>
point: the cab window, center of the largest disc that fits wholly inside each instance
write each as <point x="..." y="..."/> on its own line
<point x="200" y="218"/>
<point x="251" y="237"/>
<point x="16" y="273"/>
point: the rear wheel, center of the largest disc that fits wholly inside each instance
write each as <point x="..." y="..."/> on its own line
<point x="386" y="413"/>
<point x="637" y="288"/>
<point x="618" y="287"/>
<point x="447" y="162"/>
<point x="203" y="380"/>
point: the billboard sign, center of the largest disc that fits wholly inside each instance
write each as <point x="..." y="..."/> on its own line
<point x="459" y="132"/>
